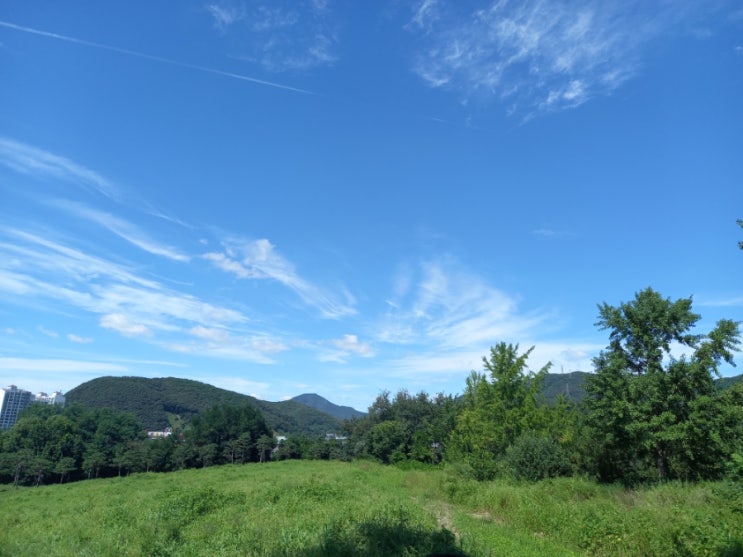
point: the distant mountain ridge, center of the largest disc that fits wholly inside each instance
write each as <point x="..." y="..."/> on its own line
<point x="572" y="385"/>
<point x="324" y="405"/>
<point x="160" y="402"/>
<point x="569" y="385"/>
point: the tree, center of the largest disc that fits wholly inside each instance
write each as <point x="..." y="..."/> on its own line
<point x="64" y="466"/>
<point x="232" y="430"/>
<point x="642" y="400"/>
<point x="265" y="444"/>
<point x="405" y="427"/>
<point x="499" y="406"/>
<point x="388" y="441"/>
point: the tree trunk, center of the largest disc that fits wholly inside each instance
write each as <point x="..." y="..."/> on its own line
<point x="660" y="460"/>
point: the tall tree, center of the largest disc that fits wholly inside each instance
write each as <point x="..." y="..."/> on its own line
<point x="642" y="399"/>
<point x="499" y="406"/>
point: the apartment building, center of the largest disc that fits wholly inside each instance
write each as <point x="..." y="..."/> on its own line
<point x="13" y="401"/>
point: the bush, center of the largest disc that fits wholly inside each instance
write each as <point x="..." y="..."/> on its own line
<point x="536" y="458"/>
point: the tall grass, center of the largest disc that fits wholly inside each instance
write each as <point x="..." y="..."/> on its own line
<point x="313" y="509"/>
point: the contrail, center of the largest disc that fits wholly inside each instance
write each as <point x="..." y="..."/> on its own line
<point x="151" y="57"/>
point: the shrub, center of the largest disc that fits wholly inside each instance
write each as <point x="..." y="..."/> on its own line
<point x="536" y="458"/>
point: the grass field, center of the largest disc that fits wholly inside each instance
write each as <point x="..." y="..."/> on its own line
<point x="317" y="508"/>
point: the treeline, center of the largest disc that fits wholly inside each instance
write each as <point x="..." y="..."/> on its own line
<point x="647" y="415"/>
<point x="49" y="443"/>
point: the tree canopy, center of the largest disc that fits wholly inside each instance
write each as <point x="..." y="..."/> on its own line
<point x="653" y="412"/>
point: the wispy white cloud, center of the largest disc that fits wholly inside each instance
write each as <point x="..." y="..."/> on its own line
<point x="538" y="56"/>
<point x="351" y="343"/>
<point x="454" y="309"/>
<point x="42" y="164"/>
<point x="126" y="230"/>
<point x="732" y="301"/>
<point x="78" y="339"/>
<point x="124" y="302"/>
<point x="426" y="14"/>
<point x="56" y="365"/>
<point x="48" y="332"/>
<point x="222" y="343"/>
<point x="127" y="52"/>
<point x="124" y="325"/>
<point x="31" y="251"/>
<point x="280" y="36"/>
<point x="225" y="15"/>
<point x="39" y="265"/>
<point x="339" y="350"/>
<point x="445" y="319"/>
<point x="259" y="259"/>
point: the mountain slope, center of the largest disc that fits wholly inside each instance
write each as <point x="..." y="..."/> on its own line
<point x="158" y="402"/>
<point x="323" y="405"/>
<point x="572" y="385"/>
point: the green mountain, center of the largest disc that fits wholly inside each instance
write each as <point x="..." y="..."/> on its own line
<point x="171" y="401"/>
<point x="727" y="382"/>
<point x="323" y="405"/>
<point x="571" y="385"/>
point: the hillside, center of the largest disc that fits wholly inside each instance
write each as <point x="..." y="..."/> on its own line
<point x="161" y="401"/>
<point x="569" y="385"/>
<point x="727" y="382"/>
<point x="323" y="405"/>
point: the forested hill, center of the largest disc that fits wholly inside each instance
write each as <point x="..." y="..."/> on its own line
<point x="571" y="385"/>
<point x="164" y="401"/>
<point x="727" y="382"/>
<point x="323" y="405"/>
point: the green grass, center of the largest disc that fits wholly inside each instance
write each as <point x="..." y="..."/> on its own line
<point x="314" y="509"/>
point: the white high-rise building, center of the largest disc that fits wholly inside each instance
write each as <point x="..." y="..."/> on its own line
<point x="55" y="398"/>
<point x="13" y="401"/>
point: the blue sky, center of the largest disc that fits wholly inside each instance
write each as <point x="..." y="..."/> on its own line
<point x="347" y="197"/>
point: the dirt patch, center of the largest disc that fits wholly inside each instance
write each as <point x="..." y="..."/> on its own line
<point x="486" y="516"/>
<point x="443" y="516"/>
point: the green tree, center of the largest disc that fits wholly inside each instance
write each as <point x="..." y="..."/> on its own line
<point x="388" y="441"/>
<point x="404" y="427"/>
<point x="64" y="467"/>
<point x="93" y="462"/>
<point x="499" y="406"/>
<point x="233" y="430"/>
<point x="648" y="410"/>
<point x="265" y="444"/>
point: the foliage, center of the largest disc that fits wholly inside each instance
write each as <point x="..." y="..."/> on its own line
<point x="405" y="427"/>
<point x="498" y="407"/>
<point x="654" y="415"/>
<point x="50" y="442"/>
<point x="54" y="444"/>
<point x="534" y="458"/>
<point x="228" y="433"/>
